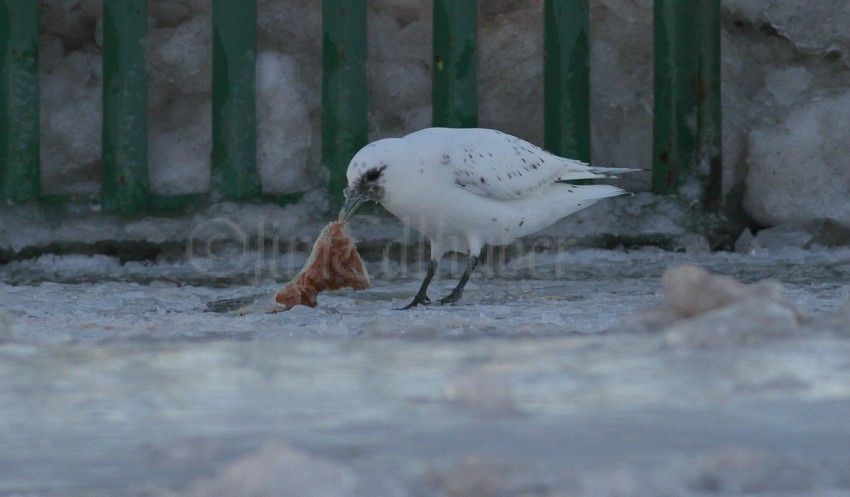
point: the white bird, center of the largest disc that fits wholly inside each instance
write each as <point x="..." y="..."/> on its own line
<point x="464" y="188"/>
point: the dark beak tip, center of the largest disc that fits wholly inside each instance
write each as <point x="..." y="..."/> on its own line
<point x="351" y="205"/>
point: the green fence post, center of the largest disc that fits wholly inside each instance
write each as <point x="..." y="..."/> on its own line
<point x="709" y="129"/>
<point x="234" y="111"/>
<point x="125" y="121"/>
<point x="19" y="109"/>
<point x="344" y="91"/>
<point x="676" y="39"/>
<point x="566" y="79"/>
<point x="455" y="88"/>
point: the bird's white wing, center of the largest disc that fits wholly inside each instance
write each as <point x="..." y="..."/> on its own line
<point x="494" y="164"/>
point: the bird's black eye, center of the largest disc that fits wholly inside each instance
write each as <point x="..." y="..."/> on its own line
<point x="373" y="174"/>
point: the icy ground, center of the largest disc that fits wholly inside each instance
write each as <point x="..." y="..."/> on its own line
<point x="557" y="375"/>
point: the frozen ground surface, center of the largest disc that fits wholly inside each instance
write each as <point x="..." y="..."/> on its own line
<point x="547" y="380"/>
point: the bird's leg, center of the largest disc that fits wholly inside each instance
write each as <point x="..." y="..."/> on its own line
<point x="457" y="293"/>
<point x="422" y="295"/>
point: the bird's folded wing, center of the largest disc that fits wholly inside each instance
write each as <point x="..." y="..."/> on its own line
<point x="501" y="166"/>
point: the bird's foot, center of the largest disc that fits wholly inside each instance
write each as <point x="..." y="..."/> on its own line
<point x="423" y="299"/>
<point x="451" y="298"/>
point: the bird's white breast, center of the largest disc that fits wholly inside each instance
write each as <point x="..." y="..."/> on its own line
<point x="462" y="220"/>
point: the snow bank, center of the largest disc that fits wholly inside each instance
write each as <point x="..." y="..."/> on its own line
<point x="482" y="392"/>
<point x="6" y="323"/>
<point x="785" y="68"/>
<point x="706" y="310"/>
<point x="690" y="290"/>
<point x="728" y="471"/>
<point x="283" y="120"/>
<point x="799" y="167"/>
<point x="71" y="108"/>
<point x="282" y="471"/>
<point x="837" y="322"/>
<point x="642" y="218"/>
<point x="732" y="470"/>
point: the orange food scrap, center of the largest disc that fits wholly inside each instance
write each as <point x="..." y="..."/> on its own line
<point x="333" y="264"/>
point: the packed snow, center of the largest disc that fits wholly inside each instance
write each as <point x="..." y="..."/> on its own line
<point x="574" y="372"/>
<point x="512" y="293"/>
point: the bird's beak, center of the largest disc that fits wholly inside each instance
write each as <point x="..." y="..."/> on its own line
<point x="351" y="205"/>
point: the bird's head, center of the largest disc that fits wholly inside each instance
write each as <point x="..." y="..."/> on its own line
<point x="367" y="176"/>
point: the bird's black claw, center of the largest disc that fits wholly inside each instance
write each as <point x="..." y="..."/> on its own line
<point x="416" y="301"/>
<point x="450" y="298"/>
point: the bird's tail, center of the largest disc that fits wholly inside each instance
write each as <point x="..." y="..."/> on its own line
<point x="595" y="192"/>
<point x="567" y="198"/>
<point x="612" y="171"/>
<point x="591" y="172"/>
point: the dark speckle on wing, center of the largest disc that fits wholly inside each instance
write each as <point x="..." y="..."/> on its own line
<point x="508" y="168"/>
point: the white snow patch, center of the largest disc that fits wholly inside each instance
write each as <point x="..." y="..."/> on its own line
<point x="798" y="169"/>
<point x="282" y="471"/>
<point x="71" y="115"/>
<point x="283" y="121"/>
<point x="787" y="84"/>
<point x="6" y="323"/>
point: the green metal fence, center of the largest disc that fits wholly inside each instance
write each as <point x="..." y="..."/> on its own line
<point x="19" y="129"/>
<point x="687" y="91"/>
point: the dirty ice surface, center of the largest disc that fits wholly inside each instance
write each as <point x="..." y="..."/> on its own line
<point x="558" y="374"/>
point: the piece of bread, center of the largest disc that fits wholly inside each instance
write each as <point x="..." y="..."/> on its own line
<point x="333" y="264"/>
